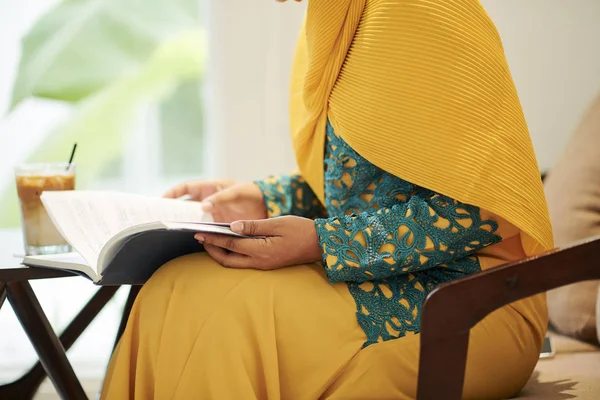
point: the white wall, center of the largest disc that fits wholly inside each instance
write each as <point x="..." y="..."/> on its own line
<point x="248" y="76"/>
<point x="553" y="49"/>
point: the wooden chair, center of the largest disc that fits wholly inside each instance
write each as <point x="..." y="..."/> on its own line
<point x="449" y="311"/>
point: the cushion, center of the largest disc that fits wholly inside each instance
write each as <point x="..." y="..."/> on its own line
<point x="573" y="193"/>
<point x="574" y="372"/>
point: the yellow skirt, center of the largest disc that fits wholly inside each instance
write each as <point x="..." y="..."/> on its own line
<point x="201" y="331"/>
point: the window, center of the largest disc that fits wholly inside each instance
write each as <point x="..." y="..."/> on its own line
<point x="137" y="115"/>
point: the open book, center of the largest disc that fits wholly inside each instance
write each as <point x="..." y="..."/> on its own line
<point x="122" y="238"/>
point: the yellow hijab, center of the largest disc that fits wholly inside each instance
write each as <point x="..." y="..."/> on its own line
<point x="421" y="89"/>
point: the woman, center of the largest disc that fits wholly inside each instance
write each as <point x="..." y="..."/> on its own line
<point x="416" y="168"/>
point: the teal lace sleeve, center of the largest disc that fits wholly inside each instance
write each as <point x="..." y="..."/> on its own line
<point x="423" y="233"/>
<point x="290" y="195"/>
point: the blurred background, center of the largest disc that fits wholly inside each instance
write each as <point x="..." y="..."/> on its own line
<point x="156" y="92"/>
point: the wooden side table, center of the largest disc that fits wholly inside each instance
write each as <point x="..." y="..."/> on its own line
<point x="51" y="349"/>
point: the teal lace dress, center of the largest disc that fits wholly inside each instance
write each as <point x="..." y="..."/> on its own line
<point x="390" y="241"/>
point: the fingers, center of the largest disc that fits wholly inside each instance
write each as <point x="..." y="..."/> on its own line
<point x="217" y="204"/>
<point x="250" y="247"/>
<point x="228" y="259"/>
<point x="266" y="227"/>
<point x="198" y="190"/>
<point x="176" y="191"/>
<point x="219" y="197"/>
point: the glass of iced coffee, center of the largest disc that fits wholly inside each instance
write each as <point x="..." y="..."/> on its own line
<point x="39" y="233"/>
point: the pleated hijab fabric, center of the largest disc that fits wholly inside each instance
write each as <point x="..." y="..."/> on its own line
<point x="421" y="89"/>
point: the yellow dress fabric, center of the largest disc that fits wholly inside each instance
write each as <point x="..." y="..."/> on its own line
<point x="201" y="331"/>
<point x="430" y="78"/>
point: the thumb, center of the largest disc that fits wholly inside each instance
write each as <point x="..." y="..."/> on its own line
<point x="262" y="227"/>
<point x="217" y="199"/>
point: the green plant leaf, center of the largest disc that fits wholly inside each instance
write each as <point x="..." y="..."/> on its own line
<point x="101" y="121"/>
<point x="80" y="46"/>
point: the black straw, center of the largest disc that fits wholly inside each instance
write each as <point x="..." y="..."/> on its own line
<point x="72" y="156"/>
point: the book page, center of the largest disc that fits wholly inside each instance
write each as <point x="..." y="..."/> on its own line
<point x="88" y="219"/>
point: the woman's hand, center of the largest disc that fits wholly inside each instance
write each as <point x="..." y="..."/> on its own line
<point x="281" y="242"/>
<point x="227" y="201"/>
<point x="199" y="190"/>
<point x="241" y="201"/>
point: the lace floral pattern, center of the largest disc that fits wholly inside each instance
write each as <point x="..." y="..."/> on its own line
<point x="392" y="242"/>
<point x="290" y="195"/>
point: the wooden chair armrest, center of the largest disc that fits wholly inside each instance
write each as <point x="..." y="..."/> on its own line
<point x="451" y="310"/>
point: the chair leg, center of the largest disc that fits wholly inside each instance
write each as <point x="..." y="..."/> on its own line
<point x="454" y="349"/>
